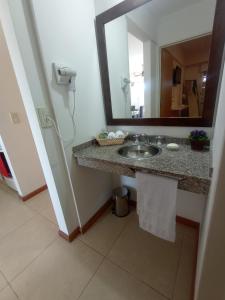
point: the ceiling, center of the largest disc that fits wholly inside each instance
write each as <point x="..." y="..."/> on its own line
<point x="161" y="8"/>
<point x="199" y="44"/>
<point x="192" y="51"/>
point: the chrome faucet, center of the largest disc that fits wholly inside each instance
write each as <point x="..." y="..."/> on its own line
<point x="136" y="136"/>
<point x="140" y="138"/>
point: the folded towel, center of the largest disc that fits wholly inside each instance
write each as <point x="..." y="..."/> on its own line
<point x="111" y="135"/>
<point x="119" y="134"/>
<point x="156" y="205"/>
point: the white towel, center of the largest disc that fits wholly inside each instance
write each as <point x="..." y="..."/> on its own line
<point x="156" y="205"/>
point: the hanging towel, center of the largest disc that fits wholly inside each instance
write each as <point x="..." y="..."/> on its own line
<point x="156" y="205"/>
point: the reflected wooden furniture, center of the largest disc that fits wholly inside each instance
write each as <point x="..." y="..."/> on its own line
<point x="166" y="84"/>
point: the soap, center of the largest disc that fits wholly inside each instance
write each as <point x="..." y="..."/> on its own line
<point x="172" y="146"/>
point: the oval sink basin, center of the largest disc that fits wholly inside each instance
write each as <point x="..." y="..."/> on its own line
<point x="139" y="151"/>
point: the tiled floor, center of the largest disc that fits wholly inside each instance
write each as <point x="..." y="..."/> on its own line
<point x="114" y="260"/>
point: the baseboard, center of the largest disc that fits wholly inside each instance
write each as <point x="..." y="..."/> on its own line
<point x="88" y="225"/>
<point x="96" y="216"/>
<point x="188" y="222"/>
<point x="69" y="237"/>
<point x="34" y="193"/>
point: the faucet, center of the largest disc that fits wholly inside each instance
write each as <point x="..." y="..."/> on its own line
<point x="159" y="140"/>
<point x="136" y="136"/>
<point x="140" y="138"/>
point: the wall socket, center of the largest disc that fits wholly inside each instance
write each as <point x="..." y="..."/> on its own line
<point x="43" y="114"/>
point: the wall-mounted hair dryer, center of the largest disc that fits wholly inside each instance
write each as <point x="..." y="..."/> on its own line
<point x="65" y="76"/>
<point x="125" y="82"/>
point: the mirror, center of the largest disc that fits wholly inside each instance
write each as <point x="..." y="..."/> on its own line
<point x="157" y="57"/>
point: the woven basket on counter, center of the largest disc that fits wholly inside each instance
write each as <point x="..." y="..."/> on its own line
<point x="109" y="142"/>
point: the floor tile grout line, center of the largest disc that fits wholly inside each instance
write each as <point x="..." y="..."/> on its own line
<point x="91" y="278"/>
<point x="90" y="247"/>
<point x="106" y="257"/>
<point x="119" y="235"/>
<point x="114" y="241"/>
<point x="41" y="213"/>
<point x="8" y="284"/>
<point x="17" y="296"/>
<point x="27" y="221"/>
<point x="13" y="230"/>
<point x="96" y="250"/>
<point x="36" y="214"/>
<point x="137" y="278"/>
<point x="43" y="216"/>
<point x="178" y="265"/>
<point x="33" y="260"/>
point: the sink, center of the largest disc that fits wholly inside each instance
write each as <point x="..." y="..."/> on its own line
<point x="139" y="151"/>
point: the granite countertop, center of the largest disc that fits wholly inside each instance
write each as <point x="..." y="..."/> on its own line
<point x="191" y="168"/>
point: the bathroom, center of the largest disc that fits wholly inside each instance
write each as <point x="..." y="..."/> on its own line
<point x="40" y="33"/>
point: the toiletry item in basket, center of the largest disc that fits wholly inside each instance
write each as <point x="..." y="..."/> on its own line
<point x="119" y="134"/>
<point x="111" y="135"/>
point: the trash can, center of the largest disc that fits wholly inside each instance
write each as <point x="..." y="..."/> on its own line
<point x="120" y="201"/>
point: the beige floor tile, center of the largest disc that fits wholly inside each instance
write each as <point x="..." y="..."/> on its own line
<point x="13" y="213"/>
<point x="42" y="204"/>
<point x="61" y="272"/>
<point x="8" y="294"/>
<point x="7" y="191"/>
<point x="148" y="258"/>
<point x="21" y="246"/>
<point x="183" y="286"/>
<point x="112" y="283"/>
<point x="104" y="233"/>
<point x="39" y="202"/>
<point x="49" y="214"/>
<point x="3" y="282"/>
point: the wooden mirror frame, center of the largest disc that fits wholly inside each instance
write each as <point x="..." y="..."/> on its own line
<point x="213" y="77"/>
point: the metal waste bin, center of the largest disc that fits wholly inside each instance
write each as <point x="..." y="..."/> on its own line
<point x="120" y="201"/>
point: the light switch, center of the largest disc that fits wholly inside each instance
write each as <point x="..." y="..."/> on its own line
<point x="14" y="117"/>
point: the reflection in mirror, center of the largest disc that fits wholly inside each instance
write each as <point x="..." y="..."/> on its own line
<point x="158" y="59"/>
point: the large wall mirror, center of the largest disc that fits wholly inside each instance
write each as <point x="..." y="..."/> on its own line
<point x="160" y="61"/>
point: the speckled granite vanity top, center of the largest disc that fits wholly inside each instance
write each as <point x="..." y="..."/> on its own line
<point x="191" y="168"/>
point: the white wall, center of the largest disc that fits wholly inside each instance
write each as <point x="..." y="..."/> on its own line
<point x="151" y="63"/>
<point x="101" y="6"/>
<point x="189" y="205"/>
<point x="179" y="26"/>
<point x="17" y="138"/>
<point x="70" y="40"/>
<point x="148" y="24"/>
<point x="211" y="258"/>
<point x="30" y="77"/>
<point x="118" y="63"/>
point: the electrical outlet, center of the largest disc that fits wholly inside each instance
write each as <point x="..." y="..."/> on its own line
<point x="14" y="117"/>
<point x="43" y="114"/>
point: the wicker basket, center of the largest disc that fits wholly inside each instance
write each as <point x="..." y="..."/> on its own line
<point x="110" y="142"/>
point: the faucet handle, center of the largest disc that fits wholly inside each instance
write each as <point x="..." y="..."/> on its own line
<point x="159" y="140"/>
<point x="140" y="138"/>
<point x="136" y="137"/>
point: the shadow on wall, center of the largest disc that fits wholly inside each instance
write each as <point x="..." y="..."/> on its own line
<point x="92" y="189"/>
